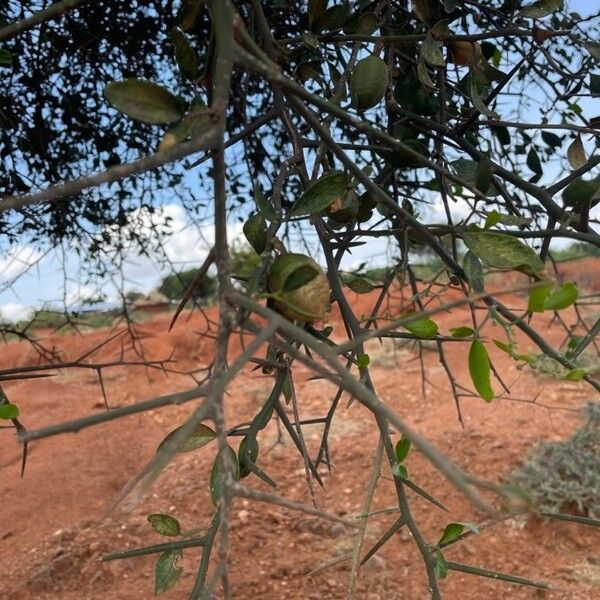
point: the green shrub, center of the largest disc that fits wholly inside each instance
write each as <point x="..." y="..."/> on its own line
<point x="565" y="476"/>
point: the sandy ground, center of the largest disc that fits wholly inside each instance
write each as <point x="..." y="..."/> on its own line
<point x="52" y="534"/>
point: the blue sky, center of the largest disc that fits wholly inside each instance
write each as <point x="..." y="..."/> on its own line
<point x="57" y="277"/>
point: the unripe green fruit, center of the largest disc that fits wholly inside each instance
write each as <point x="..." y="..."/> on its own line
<point x="369" y="81"/>
<point x="308" y="302"/>
<point x="581" y="191"/>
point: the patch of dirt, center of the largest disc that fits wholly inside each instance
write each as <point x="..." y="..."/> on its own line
<point x="52" y="529"/>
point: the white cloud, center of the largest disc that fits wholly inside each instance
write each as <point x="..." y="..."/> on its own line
<point x="16" y="260"/>
<point x="13" y="312"/>
<point x="459" y="209"/>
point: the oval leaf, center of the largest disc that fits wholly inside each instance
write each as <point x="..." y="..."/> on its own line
<point x="451" y="532"/>
<point x="144" y="101"/>
<point x="537" y="298"/>
<point x="402" y="449"/>
<point x="479" y="368"/>
<point x="9" y="411"/>
<point x="255" y="230"/>
<point x="200" y="436"/>
<point x="184" y="54"/>
<point x="441" y="566"/>
<point x="483" y="175"/>
<point x="360" y="285"/>
<point x="576" y="153"/>
<point x="217" y="472"/>
<point x="474" y="270"/>
<point x="563" y="297"/>
<point x="164" y="524"/>
<point x="503" y="251"/>
<point x="461" y="332"/>
<point x="248" y="453"/>
<point x="542" y="8"/>
<point x="424" y="328"/>
<point x="166" y="571"/>
<point x="321" y="194"/>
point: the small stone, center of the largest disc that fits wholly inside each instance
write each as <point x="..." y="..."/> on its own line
<point x="243" y="515"/>
<point x="337" y="530"/>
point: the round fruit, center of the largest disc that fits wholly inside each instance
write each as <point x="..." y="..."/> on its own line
<point x="301" y="287"/>
<point x="369" y="81"/>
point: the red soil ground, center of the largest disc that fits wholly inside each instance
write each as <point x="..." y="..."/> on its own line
<point x="51" y="528"/>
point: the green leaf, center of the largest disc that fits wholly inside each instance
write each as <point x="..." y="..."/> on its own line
<point x="551" y="139"/>
<point x="364" y="24"/>
<point x="467" y="169"/>
<point x="316" y="9"/>
<point x="479" y="368"/>
<point x="493" y="218"/>
<point x="402" y="449"/>
<point x="6" y="57"/>
<point x="503" y="251"/>
<point x="166" y="571"/>
<point x="542" y="8"/>
<point x="424" y="328"/>
<point x="575" y="374"/>
<point x="461" y="332"/>
<point x="533" y="162"/>
<point x="360" y="285"/>
<point x="595" y="84"/>
<point x="537" y="297"/>
<point x="9" y="411"/>
<point x="363" y="362"/>
<point x="563" y="297"/>
<point x="451" y="532"/>
<point x="248" y="452"/>
<point x="431" y="51"/>
<point x="474" y="271"/>
<point x="164" y="524"/>
<point x="502" y="134"/>
<point x="483" y="175"/>
<point x="335" y="16"/>
<point x="581" y="191"/>
<point x="399" y="471"/>
<point x="255" y="231"/>
<point x="144" y="101"/>
<point x="478" y="101"/>
<point x="263" y="204"/>
<point x="528" y="358"/>
<point x="184" y="54"/>
<point x="441" y="566"/>
<point x="217" y="473"/>
<point x="321" y="194"/>
<point x="200" y="436"/>
<point x="298" y="277"/>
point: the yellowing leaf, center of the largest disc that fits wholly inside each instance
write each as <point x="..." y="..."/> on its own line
<point x="576" y="153"/>
<point x="542" y="8"/>
<point x="164" y="524"/>
<point x="144" y="101"/>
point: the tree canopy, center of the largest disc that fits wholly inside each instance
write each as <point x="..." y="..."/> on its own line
<point x="459" y="130"/>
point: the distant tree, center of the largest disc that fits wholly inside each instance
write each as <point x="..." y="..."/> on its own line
<point x="133" y="295"/>
<point x="175" y="285"/>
